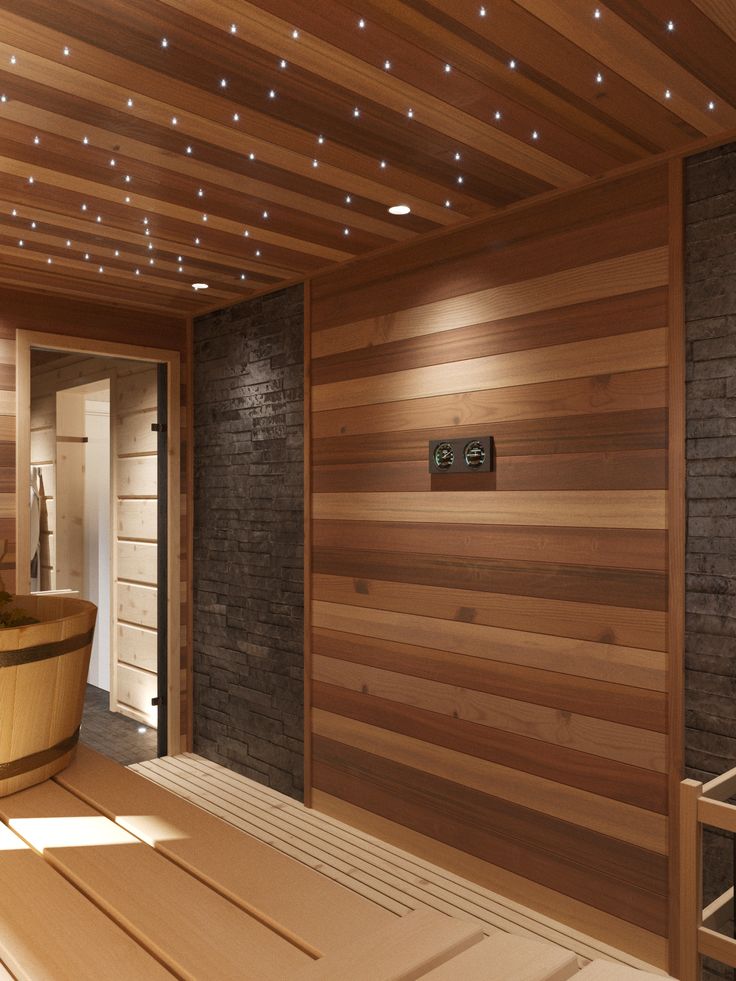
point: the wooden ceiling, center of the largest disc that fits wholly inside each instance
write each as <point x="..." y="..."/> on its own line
<point x="146" y="145"/>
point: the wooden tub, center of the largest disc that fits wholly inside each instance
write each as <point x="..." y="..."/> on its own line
<point x="43" y="674"/>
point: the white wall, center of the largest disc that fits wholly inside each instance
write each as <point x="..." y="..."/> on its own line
<point x="96" y="582"/>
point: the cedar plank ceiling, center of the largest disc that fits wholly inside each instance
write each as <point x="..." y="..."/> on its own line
<point x="125" y="122"/>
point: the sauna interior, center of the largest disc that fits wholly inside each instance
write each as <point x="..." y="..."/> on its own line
<point x="370" y="366"/>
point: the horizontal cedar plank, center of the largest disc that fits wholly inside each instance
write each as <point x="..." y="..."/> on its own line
<point x="603" y="355"/>
<point x="585" y="696"/>
<point x="643" y="270"/>
<point x="628" y="391"/>
<point x="611" y="315"/>
<point x="605" y="432"/>
<point x="576" y="768"/>
<point x="543" y="256"/>
<point x="615" y="860"/>
<point x="529" y="844"/>
<point x="631" y="588"/>
<point x="354" y="291"/>
<point x="105" y="322"/>
<point x="597" y="813"/>
<point x="583" y="658"/>
<point x="622" y="470"/>
<point x="604" y="624"/>
<point x="597" y="737"/>
<point x="572" y="509"/>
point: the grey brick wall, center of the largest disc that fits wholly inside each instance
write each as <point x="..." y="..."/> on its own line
<point x="248" y="539"/>
<point x="710" y="275"/>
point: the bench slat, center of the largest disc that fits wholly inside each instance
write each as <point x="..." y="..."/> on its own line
<point x="50" y="932"/>
<point x="504" y="956"/>
<point x="191" y="929"/>
<point x="323" y="914"/>
<point x="605" y="971"/>
<point x="403" y="951"/>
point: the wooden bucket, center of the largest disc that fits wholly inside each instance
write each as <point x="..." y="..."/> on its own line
<point x="43" y="675"/>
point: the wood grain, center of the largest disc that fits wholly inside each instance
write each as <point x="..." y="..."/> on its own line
<point x="521" y="619"/>
<point x="602" y="700"/>
<point x="605" y="662"/>
<point x="573" y="767"/>
<point x="501" y="833"/>
<point x="626" y="744"/>
<point x="563" y="618"/>
<point x="598" y="813"/>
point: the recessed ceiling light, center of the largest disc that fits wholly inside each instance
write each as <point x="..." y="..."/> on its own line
<point x="200" y="286"/>
<point x="399" y="209"/>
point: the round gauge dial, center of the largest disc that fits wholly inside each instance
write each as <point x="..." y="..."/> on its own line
<point x="444" y="456"/>
<point x="474" y="454"/>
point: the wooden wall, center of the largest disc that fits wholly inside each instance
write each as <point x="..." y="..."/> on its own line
<point x="59" y="315"/>
<point x="490" y="661"/>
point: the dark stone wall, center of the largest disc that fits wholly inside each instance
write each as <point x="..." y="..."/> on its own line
<point x="248" y="538"/>
<point x="710" y="645"/>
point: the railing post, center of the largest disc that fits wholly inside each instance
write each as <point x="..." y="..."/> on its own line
<point x="691" y="880"/>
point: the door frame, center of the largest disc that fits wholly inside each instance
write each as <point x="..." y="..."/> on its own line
<point x="25" y="341"/>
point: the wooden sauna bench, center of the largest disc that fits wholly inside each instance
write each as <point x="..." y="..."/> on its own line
<point x="105" y="876"/>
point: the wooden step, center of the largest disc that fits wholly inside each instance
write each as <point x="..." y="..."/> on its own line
<point x="405" y="950"/>
<point x="191" y="929"/>
<point x="605" y="971"/>
<point x="318" y="913"/>
<point x="50" y="932"/>
<point x="504" y="957"/>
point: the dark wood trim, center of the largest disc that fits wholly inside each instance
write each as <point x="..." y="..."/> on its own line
<point x="308" y="543"/>
<point x="188" y="724"/>
<point x="676" y="507"/>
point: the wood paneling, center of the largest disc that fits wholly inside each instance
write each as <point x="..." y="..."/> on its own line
<point x="486" y="649"/>
<point x="300" y="124"/>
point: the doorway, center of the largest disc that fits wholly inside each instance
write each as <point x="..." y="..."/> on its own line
<point x="98" y="454"/>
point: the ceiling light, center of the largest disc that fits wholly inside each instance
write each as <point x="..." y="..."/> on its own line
<point x="164" y="42"/>
<point x="361" y="24"/>
<point x="399" y="209"/>
<point x="233" y="28"/>
<point x="67" y="52"/>
<point x="200" y="286"/>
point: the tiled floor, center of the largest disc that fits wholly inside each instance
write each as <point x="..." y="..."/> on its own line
<point x="112" y="734"/>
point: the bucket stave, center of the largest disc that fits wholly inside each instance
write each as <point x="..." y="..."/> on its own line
<point x="43" y="677"/>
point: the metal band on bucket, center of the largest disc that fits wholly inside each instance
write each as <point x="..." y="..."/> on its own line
<point x="28" y="655"/>
<point x="33" y="761"/>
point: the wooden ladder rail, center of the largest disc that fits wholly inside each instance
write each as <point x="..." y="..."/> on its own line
<point x="699" y="936"/>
